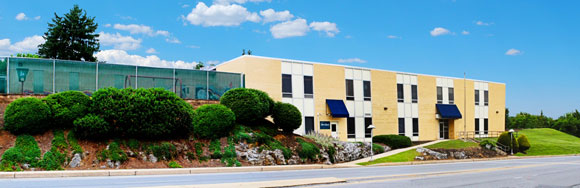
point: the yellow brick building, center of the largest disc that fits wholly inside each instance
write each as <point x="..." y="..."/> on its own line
<point x="342" y="100"/>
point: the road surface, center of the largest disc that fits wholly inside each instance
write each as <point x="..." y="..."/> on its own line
<point x="531" y="172"/>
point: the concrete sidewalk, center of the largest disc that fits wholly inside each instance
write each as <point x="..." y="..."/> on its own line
<point x="388" y="153"/>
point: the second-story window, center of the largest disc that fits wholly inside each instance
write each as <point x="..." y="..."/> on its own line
<point x="476" y="97"/>
<point x="308" y="88"/>
<point x="367" y="90"/>
<point x="287" y="85"/>
<point x="485" y="98"/>
<point x="451" y="96"/>
<point x="400" y="93"/>
<point x="414" y="96"/>
<point x="349" y="90"/>
<point x="439" y="95"/>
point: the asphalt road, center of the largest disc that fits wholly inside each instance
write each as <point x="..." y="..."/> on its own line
<point x="536" y="172"/>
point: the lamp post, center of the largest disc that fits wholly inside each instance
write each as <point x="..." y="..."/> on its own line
<point x="21" y="72"/>
<point x="371" y="127"/>
<point x="512" y="141"/>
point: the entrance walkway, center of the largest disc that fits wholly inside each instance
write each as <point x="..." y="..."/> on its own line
<point x="388" y="153"/>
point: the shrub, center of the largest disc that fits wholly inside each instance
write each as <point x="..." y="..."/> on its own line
<point x="213" y="121"/>
<point x="165" y="151"/>
<point x="115" y="153"/>
<point x="307" y="150"/>
<point x="264" y="126"/>
<point x="174" y="164"/>
<point x="484" y="144"/>
<point x="13" y="154"/>
<point x="245" y="104"/>
<point x="53" y="160"/>
<point x="92" y="126"/>
<point x="523" y="143"/>
<point x="267" y="103"/>
<point x="27" y="116"/>
<point x="73" y="142"/>
<point x="153" y="113"/>
<point x="505" y="139"/>
<point x="393" y="141"/>
<point x="199" y="151"/>
<point x="67" y="106"/>
<point x="215" y="149"/>
<point x="275" y="144"/>
<point x="322" y="139"/>
<point x="377" y="148"/>
<point x="58" y="141"/>
<point x="134" y="144"/>
<point x="25" y="150"/>
<point x="287" y="117"/>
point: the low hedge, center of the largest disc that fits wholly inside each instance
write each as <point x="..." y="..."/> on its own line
<point x="393" y="141"/>
<point x="66" y="107"/>
<point x="213" y="121"/>
<point x="27" y="116"/>
<point x="287" y="117"/>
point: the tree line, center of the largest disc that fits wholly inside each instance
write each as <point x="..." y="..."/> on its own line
<point x="568" y="123"/>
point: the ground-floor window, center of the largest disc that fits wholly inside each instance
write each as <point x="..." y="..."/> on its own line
<point x="415" y="126"/>
<point x="476" y="126"/>
<point x="485" y="126"/>
<point x="368" y="121"/>
<point x="402" y="126"/>
<point x="309" y="124"/>
<point x="350" y="128"/>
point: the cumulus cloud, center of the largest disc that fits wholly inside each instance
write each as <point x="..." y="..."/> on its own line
<point x="173" y="40"/>
<point x="122" y="57"/>
<point x="351" y="60"/>
<point x="220" y="15"/>
<point x="227" y="2"/>
<point x="329" y="28"/>
<point x="438" y="31"/>
<point x="140" y="29"/>
<point x="151" y="51"/>
<point x="270" y="15"/>
<point x="481" y="23"/>
<point x="464" y="32"/>
<point x="21" y="16"/>
<point x="119" y="41"/>
<point x="393" y="37"/>
<point x="28" y="45"/>
<point x="513" y="51"/>
<point x="293" y="28"/>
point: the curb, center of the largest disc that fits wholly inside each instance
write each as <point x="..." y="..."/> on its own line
<point x="464" y="160"/>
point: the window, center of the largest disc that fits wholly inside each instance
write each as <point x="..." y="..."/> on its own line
<point x="349" y="90"/>
<point x="485" y="98"/>
<point x="476" y="97"/>
<point x="287" y="85"/>
<point x="309" y="124"/>
<point x="368" y="121"/>
<point x="439" y="95"/>
<point x="485" y="126"/>
<point x="415" y="126"/>
<point x="308" y="89"/>
<point x="476" y="126"/>
<point x="414" y="93"/>
<point x="451" y="96"/>
<point x="350" y="128"/>
<point x="400" y="93"/>
<point x="402" y="126"/>
<point x="367" y="90"/>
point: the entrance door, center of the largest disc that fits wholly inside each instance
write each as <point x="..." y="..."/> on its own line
<point x="443" y="129"/>
<point x="333" y="128"/>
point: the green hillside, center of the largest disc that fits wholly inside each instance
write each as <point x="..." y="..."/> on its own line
<point x="547" y="141"/>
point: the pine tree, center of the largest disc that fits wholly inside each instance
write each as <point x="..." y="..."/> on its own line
<point x="71" y="37"/>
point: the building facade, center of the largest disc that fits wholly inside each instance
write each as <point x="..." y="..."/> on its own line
<point x="342" y="101"/>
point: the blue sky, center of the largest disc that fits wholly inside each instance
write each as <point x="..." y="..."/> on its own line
<point x="532" y="46"/>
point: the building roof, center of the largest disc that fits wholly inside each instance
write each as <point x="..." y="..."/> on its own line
<point x="347" y="66"/>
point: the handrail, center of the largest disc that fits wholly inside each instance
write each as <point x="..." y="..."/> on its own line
<point x="478" y="134"/>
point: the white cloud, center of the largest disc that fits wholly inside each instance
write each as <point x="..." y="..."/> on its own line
<point x="151" y="51"/>
<point x="351" y="60"/>
<point x="107" y="25"/>
<point x="328" y="27"/>
<point x="220" y="15"/>
<point x="21" y="16"/>
<point x="483" y="23"/>
<point x="513" y="51"/>
<point x="140" y="29"/>
<point x="185" y="5"/>
<point x="439" y="31"/>
<point x="37" y="18"/>
<point x="293" y="28"/>
<point x="122" y="57"/>
<point x="192" y="46"/>
<point x="464" y="32"/>
<point x="394" y="37"/>
<point x="28" y="45"/>
<point x="119" y="41"/>
<point x="270" y="15"/>
<point x="227" y="2"/>
<point x="173" y="40"/>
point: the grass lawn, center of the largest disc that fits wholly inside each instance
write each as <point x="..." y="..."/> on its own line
<point x="411" y="154"/>
<point x="547" y="141"/>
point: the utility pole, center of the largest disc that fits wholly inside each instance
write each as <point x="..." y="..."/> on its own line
<point x="464" y="106"/>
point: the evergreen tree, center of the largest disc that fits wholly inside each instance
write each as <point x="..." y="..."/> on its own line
<point x="71" y="37"/>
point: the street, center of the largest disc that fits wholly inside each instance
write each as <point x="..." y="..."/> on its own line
<point x="532" y="172"/>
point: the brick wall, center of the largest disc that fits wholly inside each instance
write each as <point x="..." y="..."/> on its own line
<point x="7" y="99"/>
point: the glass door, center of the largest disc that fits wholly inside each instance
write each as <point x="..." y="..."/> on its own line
<point x="443" y="129"/>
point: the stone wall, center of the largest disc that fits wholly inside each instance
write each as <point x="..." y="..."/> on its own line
<point x="7" y="99"/>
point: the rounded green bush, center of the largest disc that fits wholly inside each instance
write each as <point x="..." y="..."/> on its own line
<point x="377" y="148"/>
<point x="267" y="103"/>
<point x="27" y="116"/>
<point x="67" y="106"/>
<point x="153" y="113"/>
<point x="13" y="155"/>
<point x="244" y="103"/>
<point x="504" y="139"/>
<point x="213" y="121"/>
<point x="287" y="117"/>
<point x="91" y="126"/>
<point x="523" y="143"/>
<point x="393" y="141"/>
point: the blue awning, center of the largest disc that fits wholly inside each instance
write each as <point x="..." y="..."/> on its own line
<point x="448" y="111"/>
<point x="337" y="108"/>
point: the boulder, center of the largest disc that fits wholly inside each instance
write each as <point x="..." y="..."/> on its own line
<point x="434" y="154"/>
<point x="152" y="158"/>
<point x="75" y="161"/>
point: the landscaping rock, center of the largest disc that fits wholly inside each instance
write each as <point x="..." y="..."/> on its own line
<point x="419" y="158"/>
<point x="152" y="158"/>
<point x="110" y="163"/>
<point x="294" y="160"/>
<point x="434" y="154"/>
<point x="25" y="166"/>
<point x="75" y="161"/>
<point x="279" y="157"/>
<point x="349" y="151"/>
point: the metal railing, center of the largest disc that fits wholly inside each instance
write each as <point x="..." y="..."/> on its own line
<point x="478" y="134"/>
<point x="45" y="76"/>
